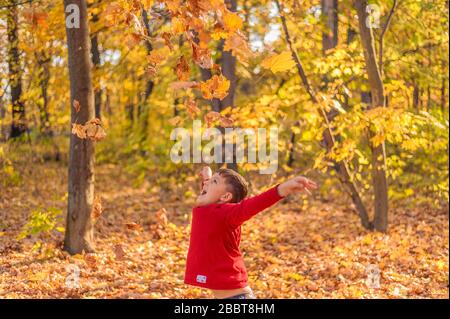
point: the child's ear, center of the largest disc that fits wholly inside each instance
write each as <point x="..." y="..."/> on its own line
<point x="227" y="197"/>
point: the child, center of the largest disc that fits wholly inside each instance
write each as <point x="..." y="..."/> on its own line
<point x="214" y="260"/>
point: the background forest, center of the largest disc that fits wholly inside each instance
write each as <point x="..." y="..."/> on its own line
<point x="358" y="89"/>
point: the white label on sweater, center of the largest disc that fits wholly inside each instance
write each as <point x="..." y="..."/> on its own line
<point x="201" y="278"/>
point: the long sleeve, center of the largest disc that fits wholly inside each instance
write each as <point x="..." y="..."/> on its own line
<point x="246" y="209"/>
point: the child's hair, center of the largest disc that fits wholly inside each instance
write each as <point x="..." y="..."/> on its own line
<point x="239" y="187"/>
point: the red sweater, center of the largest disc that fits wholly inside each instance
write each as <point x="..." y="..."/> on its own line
<point x="214" y="260"/>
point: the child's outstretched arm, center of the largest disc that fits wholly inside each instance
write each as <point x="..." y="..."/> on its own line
<point x="249" y="207"/>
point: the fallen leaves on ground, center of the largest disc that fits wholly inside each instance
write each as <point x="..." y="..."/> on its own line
<point x="293" y="250"/>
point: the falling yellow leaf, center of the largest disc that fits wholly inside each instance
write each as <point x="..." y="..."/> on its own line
<point x="279" y="63"/>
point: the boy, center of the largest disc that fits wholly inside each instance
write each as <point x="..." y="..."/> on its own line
<point x="214" y="260"/>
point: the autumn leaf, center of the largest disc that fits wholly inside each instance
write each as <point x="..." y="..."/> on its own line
<point x="237" y="44"/>
<point x="94" y="130"/>
<point x="232" y="22"/>
<point x="79" y="130"/>
<point x="155" y="58"/>
<point x="119" y="252"/>
<point x="36" y="17"/>
<point x="97" y="208"/>
<point x="210" y="5"/>
<point x="133" y="226"/>
<point x="202" y="57"/>
<point x="182" y="69"/>
<point x="167" y="37"/>
<point x="192" y="108"/>
<point x="216" y="87"/>
<point x="161" y="216"/>
<point x="279" y="63"/>
<point x="76" y="105"/>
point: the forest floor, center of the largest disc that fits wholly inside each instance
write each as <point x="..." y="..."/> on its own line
<point x="296" y="249"/>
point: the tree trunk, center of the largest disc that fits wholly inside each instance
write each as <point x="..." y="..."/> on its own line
<point x="79" y="235"/>
<point x="416" y="98"/>
<point x="96" y="62"/>
<point x="378" y="100"/>
<point x="443" y="99"/>
<point x="18" y="125"/>
<point x="330" y="13"/>
<point x="229" y="71"/>
<point x="228" y="63"/>
<point x="44" y="78"/>
<point x="3" y="129"/>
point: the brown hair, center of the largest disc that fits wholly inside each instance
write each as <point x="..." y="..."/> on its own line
<point x="239" y="187"/>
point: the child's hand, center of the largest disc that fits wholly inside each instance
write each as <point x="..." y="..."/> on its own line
<point x="296" y="184"/>
<point x="205" y="173"/>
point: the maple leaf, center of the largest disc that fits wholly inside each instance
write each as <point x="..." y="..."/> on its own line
<point x="202" y="57"/>
<point x="182" y="69"/>
<point x="78" y="130"/>
<point x="76" y="106"/>
<point x="279" y="63"/>
<point x="237" y="44"/>
<point x="192" y="108"/>
<point x="94" y="130"/>
<point x="232" y="22"/>
<point x="216" y="87"/>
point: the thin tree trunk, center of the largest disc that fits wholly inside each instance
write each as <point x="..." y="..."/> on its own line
<point x="44" y="79"/>
<point x="290" y="161"/>
<point x="96" y="62"/>
<point x="18" y="125"/>
<point x="228" y="63"/>
<point x="378" y="100"/>
<point x="341" y="167"/>
<point x="416" y="99"/>
<point x="79" y="235"/>
<point x="383" y="33"/>
<point x="229" y="71"/>
<point x="330" y="36"/>
<point x="3" y="129"/>
<point x="443" y="99"/>
<point x="143" y="108"/>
